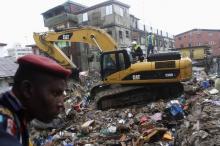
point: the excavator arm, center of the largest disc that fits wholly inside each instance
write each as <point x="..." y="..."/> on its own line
<point x="90" y="35"/>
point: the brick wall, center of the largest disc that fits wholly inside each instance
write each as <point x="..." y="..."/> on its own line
<point x="199" y="37"/>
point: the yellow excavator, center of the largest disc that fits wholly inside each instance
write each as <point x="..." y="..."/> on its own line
<point x="123" y="83"/>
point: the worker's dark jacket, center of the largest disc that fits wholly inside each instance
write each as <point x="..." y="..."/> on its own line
<point x="13" y="129"/>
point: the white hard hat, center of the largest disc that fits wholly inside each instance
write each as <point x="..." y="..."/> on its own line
<point x="134" y="43"/>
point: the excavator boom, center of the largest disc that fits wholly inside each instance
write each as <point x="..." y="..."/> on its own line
<point x="90" y="35"/>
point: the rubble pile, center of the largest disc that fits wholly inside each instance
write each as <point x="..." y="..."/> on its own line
<point x="202" y="126"/>
<point x="191" y="119"/>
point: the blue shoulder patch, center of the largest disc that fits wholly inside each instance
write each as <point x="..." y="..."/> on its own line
<point x="1" y="118"/>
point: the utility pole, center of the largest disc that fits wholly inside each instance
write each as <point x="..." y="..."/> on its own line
<point x="217" y="81"/>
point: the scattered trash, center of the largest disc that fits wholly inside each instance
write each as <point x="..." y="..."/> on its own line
<point x="175" y="109"/>
<point x="215" y="102"/>
<point x="167" y="136"/>
<point x="205" y="84"/>
<point x="156" y="117"/>
<point x="213" y="91"/>
<point x="190" y="119"/>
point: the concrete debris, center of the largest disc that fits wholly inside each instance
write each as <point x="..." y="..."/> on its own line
<point x="213" y="91"/>
<point x="191" y="119"/>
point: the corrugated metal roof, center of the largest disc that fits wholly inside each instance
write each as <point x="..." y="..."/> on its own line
<point x="8" y="67"/>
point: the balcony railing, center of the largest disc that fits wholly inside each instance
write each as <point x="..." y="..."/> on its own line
<point x="60" y="19"/>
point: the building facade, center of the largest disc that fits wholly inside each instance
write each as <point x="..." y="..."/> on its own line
<point x="200" y="37"/>
<point x="35" y="49"/>
<point x="19" y="51"/>
<point x="112" y="16"/>
<point x="62" y="16"/>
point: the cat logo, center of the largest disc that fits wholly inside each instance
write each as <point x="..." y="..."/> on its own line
<point x="66" y="36"/>
<point x="136" y="77"/>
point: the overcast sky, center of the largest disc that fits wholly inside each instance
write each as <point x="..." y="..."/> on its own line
<point x="20" y="18"/>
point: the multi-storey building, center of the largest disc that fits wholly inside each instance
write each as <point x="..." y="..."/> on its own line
<point x="200" y="37"/>
<point x="35" y="49"/>
<point x="19" y="51"/>
<point x="62" y="16"/>
<point x="112" y="16"/>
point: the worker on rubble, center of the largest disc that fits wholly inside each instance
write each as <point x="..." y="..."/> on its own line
<point x="137" y="51"/>
<point x="37" y="92"/>
<point x="150" y="43"/>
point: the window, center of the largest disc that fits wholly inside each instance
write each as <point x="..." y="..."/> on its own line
<point x="211" y="42"/>
<point x="121" y="61"/>
<point x="63" y="44"/>
<point x="119" y="10"/>
<point x="109" y="64"/>
<point x="210" y="34"/>
<point x="200" y="43"/>
<point x="120" y="34"/>
<point x="179" y="38"/>
<point x="181" y="46"/>
<point x="190" y="45"/>
<point x="127" y="34"/>
<point x="136" y="24"/>
<point x="108" y="10"/>
<point x="110" y="33"/>
<point x="59" y="27"/>
<point x="85" y="17"/>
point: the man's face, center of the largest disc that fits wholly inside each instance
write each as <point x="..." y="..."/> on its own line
<point x="47" y="98"/>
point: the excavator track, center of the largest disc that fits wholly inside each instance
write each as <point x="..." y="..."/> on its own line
<point x="118" y="96"/>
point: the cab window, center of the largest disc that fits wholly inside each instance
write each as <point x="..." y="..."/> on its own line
<point x="109" y="64"/>
<point x="121" y="61"/>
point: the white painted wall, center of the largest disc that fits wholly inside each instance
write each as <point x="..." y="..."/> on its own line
<point x="19" y="51"/>
<point x="3" y="51"/>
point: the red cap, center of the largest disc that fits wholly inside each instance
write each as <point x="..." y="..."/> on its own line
<point x="43" y="63"/>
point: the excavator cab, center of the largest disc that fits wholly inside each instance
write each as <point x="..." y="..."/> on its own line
<point x="114" y="61"/>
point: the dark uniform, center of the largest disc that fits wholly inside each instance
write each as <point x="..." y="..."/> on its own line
<point x="137" y="52"/>
<point x="13" y="124"/>
<point x="13" y="129"/>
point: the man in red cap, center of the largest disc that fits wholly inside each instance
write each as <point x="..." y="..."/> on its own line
<point x="39" y="84"/>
